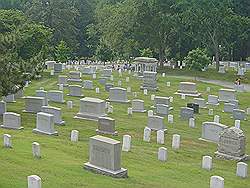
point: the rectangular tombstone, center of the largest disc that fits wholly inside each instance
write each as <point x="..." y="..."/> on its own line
<point x="138" y="105"/>
<point x="162" y="109"/>
<point x="2" y="107"/>
<point x="102" y="80"/>
<point x="34" y="181"/>
<point x="56" y="112"/>
<point x="235" y="102"/>
<point x="211" y="131"/>
<point x="91" y="109"/>
<point x="239" y="114"/>
<point x="108" y="86"/>
<point x="55" y="96"/>
<point x="117" y="94"/>
<point x="75" y="91"/>
<point x="9" y="98"/>
<point x="232" y="144"/>
<point x="45" y="124"/>
<point x="162" y="100"/>
<point x="188" y="89"/>
<point x="186" y="113"/>
<point x="74" y="76"/>
<point x="88" y="70"/>
<point x="106" y="125"/>
<point x="58" y="68"/>
<point x="156" y="123"/>
<point x="213" y="100"/>
<point x="44" y="94"/>
<point x="227" y="94"/>
<point x="11" y="120"/>
<point x="105" y="157"/>
<point x="88" y="84"/>
<point x="50" y="64"/>
<point x="149" y="81"/>
<point x="34" y="104"/>
<point x="228" y="107"/>
<point x="106" y="73"/>
<point x="194" y="106"/>
<point x="201" y="102"/>
<point x="62" y="79"/>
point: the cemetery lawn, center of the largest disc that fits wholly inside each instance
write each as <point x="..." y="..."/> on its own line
<point x="61" y="165"/>
<point x="230" y="75"/>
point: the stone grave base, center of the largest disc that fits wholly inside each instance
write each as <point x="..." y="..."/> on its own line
<point x="127" y="101"/>
<point x="61" y="123"/>
<point x="92" y="117"/>
<point x="169" y="108"/>
<point x="26" y="111"/>
<point x="42" y="132"/>
<point x="149" y="88"/>
<point x="74" y="80"/>
<point x="4" y="127"/>
<point x="139" y="111"/>
<point x="105" y="132"/>
<point x="188" y="94"/>
<point x="10" y="101"/>
<point x="122" y="173"/>
<point x="75" y="95"/>
<point x="229" y="157"/>
<point x="213" y="104"/>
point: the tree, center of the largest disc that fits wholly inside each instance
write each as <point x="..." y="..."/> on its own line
<point x="146" y="52"/>
<point x="104" y="53"/>
<point x="23" y="49"/>
<point x="62" y="52"/>
<point x="197" y="59"/>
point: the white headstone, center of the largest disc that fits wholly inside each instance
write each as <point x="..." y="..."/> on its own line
<point x="36" y="151"/>
<point x="119" y="83"/>
<point x="52" y="73"/>
<point x="152" y="97"/>
<point x="130" y="111"/>
<point x="145" y="92"/>
<point x="217" y="119"/>
<point x="237" y="123"/>
<point x="60" y="87"/>
<point x="146" y="134"/>
<point x="160" y="137"/>
<point x="207" y="162"/>
<point x="94" y="76"/>
<point x="129" y="89"/>
<point x="97" y="90"/>
<point x="170" y="118"/>
<point x="183" y="96"/>
<point x="74" y="135"/>
<point x="176" y="141"/>
<point x="7" y="141"/>
<point x="171" y="99"/>
<point x="241" y="170"/>
<point x="168" y="84"/>
<point x="163" y="74"/>
<point x="216" y="182"/>
<point x="110" y="109"/>
<point x="126" y="144"/>
<point x="150" y="113"/>
<point x="69" y="104"/>
<point x="248" y="111"/>
<point x="162" y="154"/>
<point x="34" y="181"/>
<point x="208" y="89"/>
<point x="192" y="122"/>
<point x="127" y="79"/>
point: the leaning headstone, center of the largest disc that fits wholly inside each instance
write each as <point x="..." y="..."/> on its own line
<point x="7" y="141"/>
<point x="2" y="107"/>
<point x="74" y="135"/>
<point x="186" y="113"/>
<point x="91" y="109"/>
<point x="75" y="91"/>
<point x="55" y="96"/>
<point x="126" y="143"/>
<point x="11" y="120"/>
<point x="106" y="125"/>
<point x="156" y="123"/>
<point x="207" y="162"/>
<point x="176" y="141"/>
<point x="34" y="104"/>
<point x="34" y="181"/>
<point x="216" y="182"/>
<point x="117" y="94"/>
<point x="241" y="170"/>
<point x="239" y="114"/>
<point x="36" y="150"/>
<point x="213" y="100"/>
<point x="105" y="157"/>
<point x="231" y="145"/>
<point x="160" y="137"/>
<point x="146" y="134"/>
<point x="138" y="105"/>
<point x="45" y="124"/>
<point x="56" y="112"/>
<point x="162" y="154"/>
<point x="211" y="131"/>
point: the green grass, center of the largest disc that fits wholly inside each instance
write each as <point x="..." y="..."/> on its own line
<point x="61" y="165"/>
<point x="211" y="73"/>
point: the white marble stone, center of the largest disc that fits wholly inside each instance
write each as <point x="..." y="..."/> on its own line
<point x="45" y="124"/>
<point x="192" y="123"/>
<point x="11" y="120"/>
<point x="163" y="74"/>
<point x="146" y="134"/>
<point x="127" y="79"/>
<point x="150" y="113"/>
<point x="162" y="154"/>
<point x="241" y="169"/>
<point x="237" y="123"/>
<point x="160" y="137"/>
<point x="129" y="89"/>
<point x="171" y="99"/>
<point x="126" y="143"/>
<point x="36" y="151"/>
<point x="216" y="182"/>
<point x="7" y="143"/>
<point x="168" y="84"/>
<point x="52" y="73"/>
<point x="74" y="135"/>
<point x="97" y="90"/>
<point x="110" y="109"/>
<point x="207" y="162"/>
<point x="119" y="83"/>
<point x="217" y="119"/>
<point x="94" y="76"/>
<point x="152" y="97"/>
<point x="183" y="96"/>
<point x="145" y="92"/>
<point x="248" y="111"/>
<point x="176" y="141"/>
<point x="34" y="181"/>
<point x="170" y="118"/>
<point x="69" y="104"/>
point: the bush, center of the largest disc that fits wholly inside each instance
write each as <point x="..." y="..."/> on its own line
<point x="197" y="59"/>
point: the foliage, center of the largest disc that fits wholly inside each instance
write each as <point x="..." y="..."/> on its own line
<point x="62" y="52"/>
<point x="197" y="59"/>
<point x="23" y="46"/>
<point x="104" y="53"/>
<point x="146" y="52"/>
